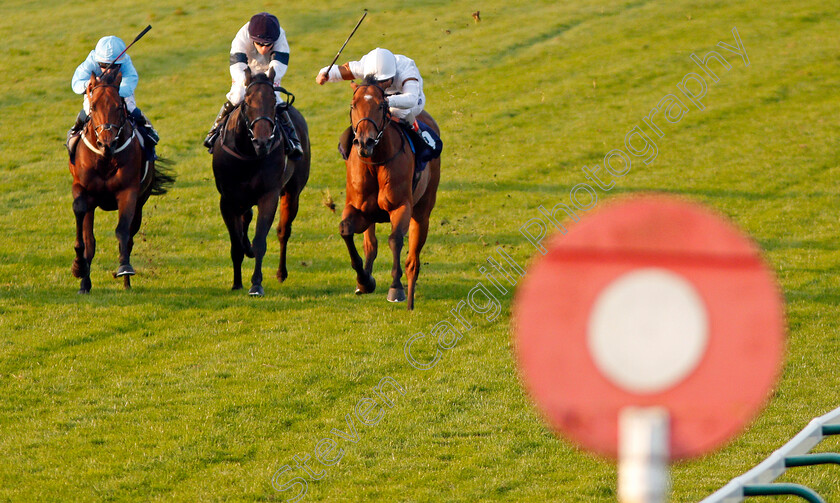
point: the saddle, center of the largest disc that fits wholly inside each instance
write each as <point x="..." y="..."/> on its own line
<point x="425" y="145"/>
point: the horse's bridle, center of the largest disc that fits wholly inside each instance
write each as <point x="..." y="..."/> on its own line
<point x="97" y="130"/>
<point x="250" y="124"/>
<point x="386" y="116"/>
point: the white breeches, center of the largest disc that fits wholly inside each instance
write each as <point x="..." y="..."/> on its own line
<point x="130" y="104"/>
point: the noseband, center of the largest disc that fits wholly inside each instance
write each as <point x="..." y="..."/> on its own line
<point x="386" y="116"/>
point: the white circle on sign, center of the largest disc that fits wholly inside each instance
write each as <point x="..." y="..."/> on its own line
<point x="648" y="330"/>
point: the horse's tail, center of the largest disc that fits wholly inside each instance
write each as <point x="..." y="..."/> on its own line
<point x="163" y="177"/>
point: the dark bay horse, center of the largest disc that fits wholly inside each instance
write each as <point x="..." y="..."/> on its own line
<point x="380" y="169"/>
<point x="251" y="168"/>
<point x="110" y="172"/>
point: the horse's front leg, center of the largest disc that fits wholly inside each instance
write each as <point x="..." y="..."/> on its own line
<point x="126" y="206"/>
<point x="400" y="219"/>
<point x="233" y="222"/>
<point x="371" y="245"/>
<point x="267" y="206"/>
<point x="85" y="248"/>
<point x="354" y="222"/>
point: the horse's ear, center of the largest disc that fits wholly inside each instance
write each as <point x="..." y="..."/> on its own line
<point x="247" y="76"/>
<point x="117" y="79"/>
<point x="353" y="85"/>
<point x="92" y="79"/>
<point x="271" y="75"/>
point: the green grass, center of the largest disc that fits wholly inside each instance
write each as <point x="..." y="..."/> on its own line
<point x="182" y="390"/>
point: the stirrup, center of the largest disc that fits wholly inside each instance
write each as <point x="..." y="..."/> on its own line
<point x="210" y="139"/>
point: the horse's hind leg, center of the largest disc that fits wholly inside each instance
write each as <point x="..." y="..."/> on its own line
<point x="400" y="218"/>
<point x="127" y="206"/>
<point x="418" y="230"/>
<point x="289" y="203"/>
<point x="246" y="244"/>
<point x="353" y="222"/>
<point x="233" y="221"/>
<point x="135" y="228"/>
<point x="267" y="206"/>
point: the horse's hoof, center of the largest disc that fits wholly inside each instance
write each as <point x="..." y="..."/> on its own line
<point x="256" y="291"/>
<point x="236" y="286"/>
<point x="396" y="295"/>
<point x="368" y="287"/>
<point x="125" y="270"/>
<point x="82" y="291"/>
<point x="281" y="276"/>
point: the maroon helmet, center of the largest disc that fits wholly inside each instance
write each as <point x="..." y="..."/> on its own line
<point x="264" y="28"/>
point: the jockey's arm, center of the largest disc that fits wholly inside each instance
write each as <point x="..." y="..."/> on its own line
<point x="129" y="77"/>
<point x="279" y="58"/>
<point x="81" y="76"/>
<point x="408" y="97"/>
<point x="337" y="74"/>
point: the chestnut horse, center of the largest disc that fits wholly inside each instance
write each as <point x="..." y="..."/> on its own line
<point x="110" y="172"/>
<point x="380" y="169"/>
<point x="250" y="167"/>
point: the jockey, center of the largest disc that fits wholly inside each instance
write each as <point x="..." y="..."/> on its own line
<point x="261" y="45"/>
<point x="398" y="76"/>
<point x="107" y="49"/>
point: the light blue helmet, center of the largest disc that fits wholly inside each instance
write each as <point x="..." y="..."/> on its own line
<point x="108" y="48"/>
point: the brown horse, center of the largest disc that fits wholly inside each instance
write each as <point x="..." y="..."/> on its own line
<point x="250" y="167"/>
<point x="110" y="172"/>
<point x="380" y="169"/>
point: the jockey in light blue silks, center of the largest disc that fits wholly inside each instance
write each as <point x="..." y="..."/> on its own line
<point x="106" y="51"/>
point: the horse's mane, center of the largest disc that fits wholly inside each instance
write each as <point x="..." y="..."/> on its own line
<point x="108" y="77"/>
<point x="259" y="77"/>
<point x="370" y="80"/>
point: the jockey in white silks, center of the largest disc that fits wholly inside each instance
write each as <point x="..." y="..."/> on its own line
<point x="261" y="46"/>
<point x="396" y="74"/>
<point x="105" y="53"/>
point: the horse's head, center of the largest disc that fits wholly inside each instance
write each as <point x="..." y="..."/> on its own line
<point x="259" y="110"/>
<point x="107" y="112"/>
<point x="368" y="115"/>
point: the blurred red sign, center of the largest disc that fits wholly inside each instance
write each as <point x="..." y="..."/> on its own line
<point x="651" y="301"/>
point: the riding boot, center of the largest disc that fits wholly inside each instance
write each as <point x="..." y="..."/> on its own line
<point x="345" y="142"/>
<point x="143" y="121"/>
<point x="293" y="148"/>
<point x="73" y="132"/>
<point x="214" y="131"/>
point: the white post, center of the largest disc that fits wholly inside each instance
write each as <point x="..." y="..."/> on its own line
<point x="643" y="448"/>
